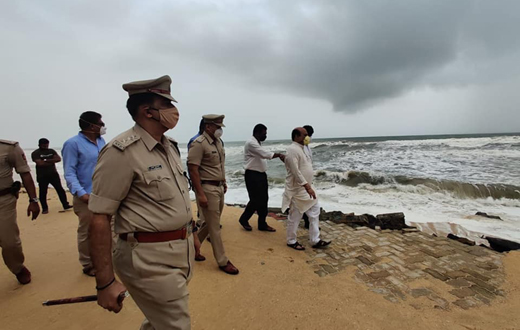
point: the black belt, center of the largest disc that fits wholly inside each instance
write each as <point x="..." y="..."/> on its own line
<point x="213" y="182"/>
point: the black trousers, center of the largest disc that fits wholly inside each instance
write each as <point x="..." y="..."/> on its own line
<point x="54" y="180"/>
<point x="257" y="187"/>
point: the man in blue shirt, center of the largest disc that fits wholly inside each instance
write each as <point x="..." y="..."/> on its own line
<point x="201" y="130"/>
<point x="80" y="154"/>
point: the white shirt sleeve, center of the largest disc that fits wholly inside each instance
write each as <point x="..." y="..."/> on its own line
<point x="256" y="149"/>
<point x="292" y="165"/>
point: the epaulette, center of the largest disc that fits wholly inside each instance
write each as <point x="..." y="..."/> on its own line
<point x="8" y="142"/>
<point x="175" y="144"/>
<point x="200" y="139"/>
<point x="123" y="142"/>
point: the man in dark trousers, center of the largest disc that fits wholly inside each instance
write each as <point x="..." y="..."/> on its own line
<point x="46" y="174"/>
<point x="255" y="157"/>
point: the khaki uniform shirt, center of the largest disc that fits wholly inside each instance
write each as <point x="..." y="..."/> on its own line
<point x="11" y="156"/>
<point x="142" y="182"/>
<point x="209" y="155"/>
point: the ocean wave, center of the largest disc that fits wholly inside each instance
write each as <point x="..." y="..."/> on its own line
<point x="456" y="188"/>
<point x="461" y="143"/>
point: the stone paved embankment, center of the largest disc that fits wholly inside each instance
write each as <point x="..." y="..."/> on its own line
<point x="410" y="266"/>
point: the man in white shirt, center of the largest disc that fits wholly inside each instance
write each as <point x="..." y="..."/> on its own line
<point x="299" y="196"/>
<point x="255" y="158"/>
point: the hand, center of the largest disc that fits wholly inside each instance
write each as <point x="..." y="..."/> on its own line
<point x="225" y="188"/>
<point x="282" y="157"/>
<point x="85" y="198"/>
<point x="33" y="208"/>
<point x="310" y="191"/>
<point x="203" y="200"/>
<point x="109" y="298"/>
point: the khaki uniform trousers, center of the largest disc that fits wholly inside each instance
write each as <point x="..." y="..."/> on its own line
<point x="203" y="231"/>
<point x="211" y="216"/>
<point x="10" y="235"/>
<point x="156" y="276"/>
<point x="85" y="218"/>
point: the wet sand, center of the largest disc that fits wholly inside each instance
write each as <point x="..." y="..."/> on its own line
<point x="276" y="288"/>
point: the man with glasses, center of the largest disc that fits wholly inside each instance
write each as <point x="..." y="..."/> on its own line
<point x="80" y="154"/>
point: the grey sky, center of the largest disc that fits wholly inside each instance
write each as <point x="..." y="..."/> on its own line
<point x="349" y="68"/>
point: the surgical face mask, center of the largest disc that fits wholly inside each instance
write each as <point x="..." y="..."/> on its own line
<point x="168" y="117"/>
<point x="218" y="133"/>
<point x="102" y="128"/>
<point x="307" y="140"/>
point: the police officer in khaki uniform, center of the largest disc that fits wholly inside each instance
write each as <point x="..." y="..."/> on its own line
<point x="139" y="178"/>
<point x="206" y="160"/>
<point x="12" y="156"/>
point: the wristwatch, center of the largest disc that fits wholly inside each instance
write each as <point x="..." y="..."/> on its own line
<point x="34" y="200"/>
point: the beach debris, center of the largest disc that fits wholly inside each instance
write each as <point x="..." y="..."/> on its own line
<point x="394" y="221"/>
<point x="502" y="245"/>
<point x="461" y="239"/>
<point x="482" y="214"/>
<point x="386" y="221"/>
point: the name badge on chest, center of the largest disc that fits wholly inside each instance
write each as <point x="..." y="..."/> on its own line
<point x="154" y="167"/>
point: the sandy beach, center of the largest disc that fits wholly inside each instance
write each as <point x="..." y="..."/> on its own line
<point x="276" y="288"/>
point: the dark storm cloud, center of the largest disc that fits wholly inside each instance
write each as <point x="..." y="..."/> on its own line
<point x="355" y="54"/>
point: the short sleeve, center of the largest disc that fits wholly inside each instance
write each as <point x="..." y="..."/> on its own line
<point x="18" y="160"/>
<point x="35" y="156"/>
<point x="111" y="181"/>
<point x="196" y="154"/>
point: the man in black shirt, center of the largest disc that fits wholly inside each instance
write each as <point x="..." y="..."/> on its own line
<point x="46" y="174"/>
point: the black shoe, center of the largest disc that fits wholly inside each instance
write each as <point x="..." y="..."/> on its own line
<point x="321" y="244"/>
<point x="246" y="225"/>
<point x="67" y="207"/>
<point x="45" y="211"/>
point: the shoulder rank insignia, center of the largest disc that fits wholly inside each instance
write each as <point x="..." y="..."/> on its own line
<point x="124" y="142"/>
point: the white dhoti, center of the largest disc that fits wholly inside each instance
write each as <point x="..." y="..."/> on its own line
<point x="294" y="220"/>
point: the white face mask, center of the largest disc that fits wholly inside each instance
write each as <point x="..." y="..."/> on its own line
<point x="102" y="130"/>
<point x="218" y="133"/>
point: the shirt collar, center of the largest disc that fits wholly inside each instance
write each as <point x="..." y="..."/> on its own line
<point x="210" y="139"/>
<point x="256" y="140"/>
<point x="148" y="140"/>
<point x="86" y="138"/>
<point x="299" y="145"/>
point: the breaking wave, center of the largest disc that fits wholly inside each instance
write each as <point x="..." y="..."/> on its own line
<point x="456" y="188"/>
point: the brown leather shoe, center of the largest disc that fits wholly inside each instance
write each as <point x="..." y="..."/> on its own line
<point x="229" y="268"/>
<point x="89" y="271"/>
<point x="199" y="257"/>
<point x="24" y="276"/>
